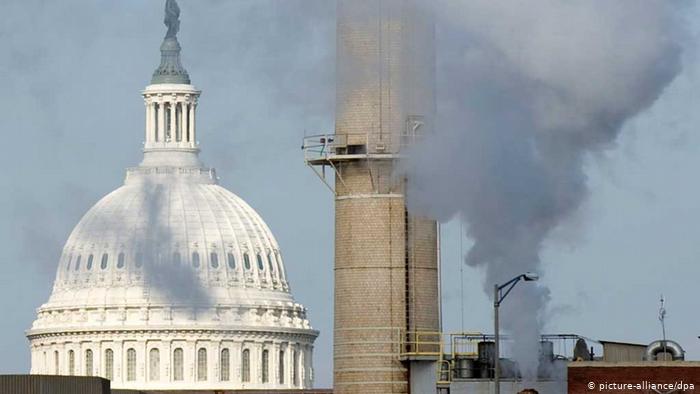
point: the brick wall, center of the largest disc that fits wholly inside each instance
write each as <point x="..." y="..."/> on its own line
<point x="644" y="374"/>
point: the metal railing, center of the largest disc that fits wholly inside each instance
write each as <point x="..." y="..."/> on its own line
<point x="324" y="146"/>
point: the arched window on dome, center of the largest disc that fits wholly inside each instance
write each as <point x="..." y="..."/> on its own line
<point x="154" y="365"/>
<point x="131" y="365"/>
<point x="89" y="262"/>
<point x="56" y="365"/>
<point x="105" y="260"/>
<point x="265" y="366"/>
<point x="261" y="266"/>
<point x="195" y="259"/>
<point x="245" y="366"/>
<point x="71" y="362"/>
<point x="178" y="364"/>
<point x="214" y="260"/>
<point x="246" y="261"/>
<point x="109" y="364"/>
<point x="225" y="365"/>
<point x="231" y="261"/>
<point x="295" y="368"/>
<point x="280" y="367"/>
<point x="120" y="260"/>
<point x="176" y="259"/>
<point x="69" y="261"/>
<point x="202" y="364"/>
<point x="88" y="363"/>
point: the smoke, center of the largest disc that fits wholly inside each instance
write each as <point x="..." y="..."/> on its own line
<point x="171" y="276"/>
<point x="527" y="93"/>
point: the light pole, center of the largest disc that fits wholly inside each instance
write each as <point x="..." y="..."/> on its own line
<point x="498" y="297"/>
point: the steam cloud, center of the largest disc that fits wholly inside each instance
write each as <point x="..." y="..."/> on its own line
<point x="527" y="92"/>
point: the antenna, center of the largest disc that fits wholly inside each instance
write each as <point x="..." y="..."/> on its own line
<point x="662" y="319"/>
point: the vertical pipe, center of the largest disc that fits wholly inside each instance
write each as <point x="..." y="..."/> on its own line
<point x="439" y="277"/>
<point x="497" y="354"/>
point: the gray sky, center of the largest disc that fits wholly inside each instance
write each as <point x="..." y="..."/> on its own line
<point x="72" y="120"/>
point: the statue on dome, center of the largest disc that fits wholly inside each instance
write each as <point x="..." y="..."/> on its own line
<point x="172" y="18"/>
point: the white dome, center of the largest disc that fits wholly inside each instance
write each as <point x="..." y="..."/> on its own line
<point x="171" y="282"/>
<point x="170" y="237"/>
<point x="174" y="268"/>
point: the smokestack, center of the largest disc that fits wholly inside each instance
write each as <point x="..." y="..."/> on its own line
<point x="386" y="269"/>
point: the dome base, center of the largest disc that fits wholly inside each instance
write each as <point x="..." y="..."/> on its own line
<point x="179" y="359"/>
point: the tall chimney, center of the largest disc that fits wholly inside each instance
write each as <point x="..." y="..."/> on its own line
<point x="386" y="259"/>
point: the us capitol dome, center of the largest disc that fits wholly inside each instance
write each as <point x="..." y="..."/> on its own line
<point x="172" y="282"/>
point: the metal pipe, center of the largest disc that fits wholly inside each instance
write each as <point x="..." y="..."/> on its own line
<point x="439" y="277"/>
<point x="496" y="358"/>
<point x="657" y="347"/>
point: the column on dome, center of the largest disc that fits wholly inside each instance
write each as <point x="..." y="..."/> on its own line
<point x="141" y="360"/>
<point x="153" y="127"/>
<point x="165" y="358"/>
<point x="302" y="366"/>
<point x="186" y="121"/>
<point x="217" y="346"/>
<point x="178" y="117"/>
<point x="62" y="359"/>
<point x="256" y="363"/>
<point x="97" y="359"/>
<point x="161" y="119"/>
<point x="118" y="360"/>
<point x="173" y="119"/>
<point x="193" y="130"/>
<point x="274" y="356"/>
<point x="236" y="356"/>
<point x="191" y="361"/>
<point x="148" y="120"/>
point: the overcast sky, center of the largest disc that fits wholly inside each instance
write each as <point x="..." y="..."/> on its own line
<point x="72" y="119"/>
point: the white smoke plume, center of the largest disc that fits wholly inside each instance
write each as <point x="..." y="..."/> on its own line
<point x="527" y="93"/>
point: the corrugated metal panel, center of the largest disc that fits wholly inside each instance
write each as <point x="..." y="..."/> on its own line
<point x="49" y="384"/>
<point x="615" y="352"/>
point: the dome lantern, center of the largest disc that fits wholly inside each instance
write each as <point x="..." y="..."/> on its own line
<point x="171" y="104"/>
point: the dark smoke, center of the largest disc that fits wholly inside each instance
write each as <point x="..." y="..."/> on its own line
<point x="527" y="93"/>
<point x="177" y="281"/>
